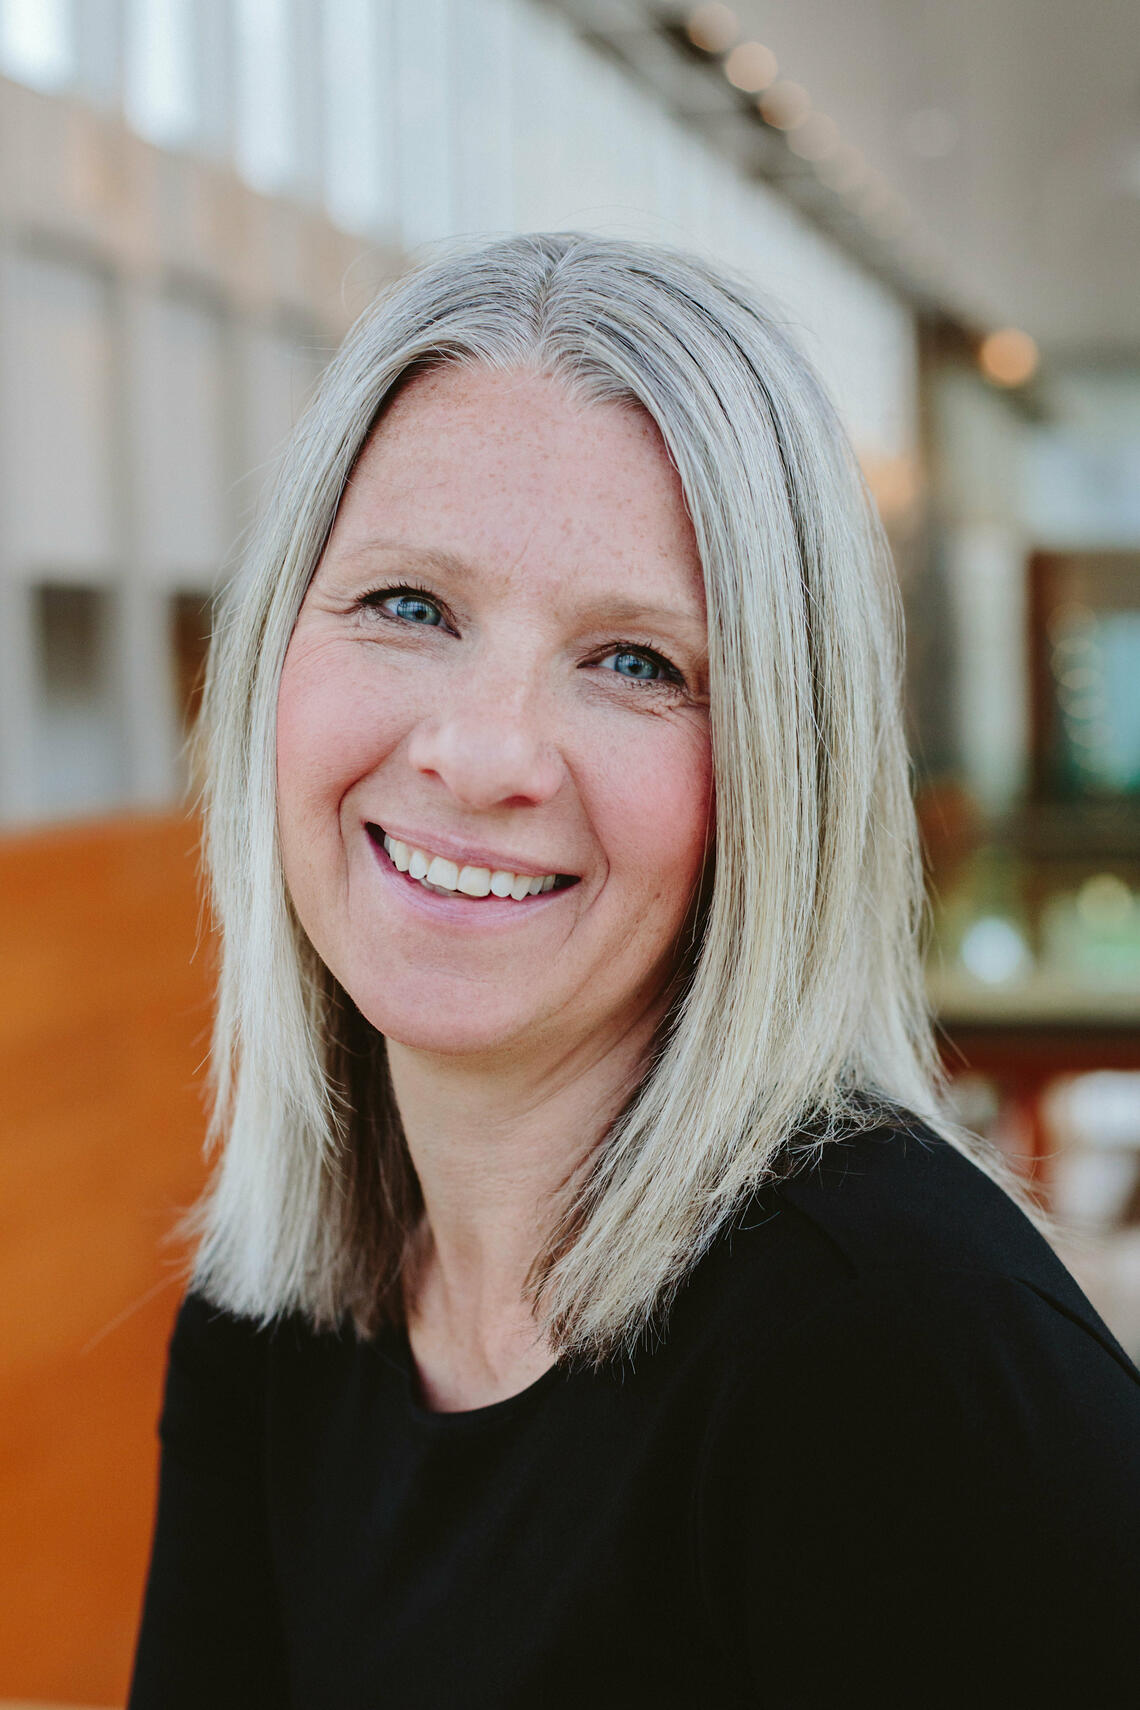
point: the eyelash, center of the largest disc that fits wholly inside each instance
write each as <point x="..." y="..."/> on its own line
<point x="672" y="678"/>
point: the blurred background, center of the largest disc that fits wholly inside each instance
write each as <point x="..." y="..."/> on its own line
<point x="196" y="198"/>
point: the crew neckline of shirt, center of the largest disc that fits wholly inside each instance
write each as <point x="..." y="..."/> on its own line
<point x="396" y="1348"/>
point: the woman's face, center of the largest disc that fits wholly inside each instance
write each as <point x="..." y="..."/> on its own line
<point x="500" y="665"/>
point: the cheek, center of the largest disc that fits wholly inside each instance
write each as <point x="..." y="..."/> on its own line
<point x="332" y="728"/>
<point x="657" y="811"/>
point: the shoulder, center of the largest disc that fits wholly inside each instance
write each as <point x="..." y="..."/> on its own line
<point x="894" y="1236"/>
<point x="214" y="1395"/>
<point x="917" y="1414"/>
<point x="901" y="1195"/>
<point x="899" y="1326"/>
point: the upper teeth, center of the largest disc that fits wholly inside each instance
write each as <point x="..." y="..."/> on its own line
<point x="447" y="875"/>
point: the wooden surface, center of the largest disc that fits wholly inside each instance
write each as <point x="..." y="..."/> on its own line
<point x="104" y="1014"/>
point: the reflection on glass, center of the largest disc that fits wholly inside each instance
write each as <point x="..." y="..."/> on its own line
<point x="1090" y="725"/>
<point x="1010" y="923"/>
<point x="1096" y="672"/>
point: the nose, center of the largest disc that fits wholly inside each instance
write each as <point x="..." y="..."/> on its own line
<point x="488" y="745"/>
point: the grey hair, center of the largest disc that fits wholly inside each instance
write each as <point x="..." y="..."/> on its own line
<point x="802" y="1014"/>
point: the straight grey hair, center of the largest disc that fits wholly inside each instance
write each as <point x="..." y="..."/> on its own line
<point x="801" y="1013"/>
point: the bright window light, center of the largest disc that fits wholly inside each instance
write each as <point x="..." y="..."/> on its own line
<point x="266" y="155"/>
<point x="358" y="157"/>
<point x="36" y="44"/>
<point x="160" y="94"/>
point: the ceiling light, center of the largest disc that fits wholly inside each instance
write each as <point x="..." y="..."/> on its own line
<point x="1008" y="357"/>
<point x="816" y="139"/>
<point x="713" y="28"/>
<point x="785" y="105"/>
<point x="751" y="66"/>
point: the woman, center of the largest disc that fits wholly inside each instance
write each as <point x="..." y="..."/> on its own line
<point x="593" y="1304"/>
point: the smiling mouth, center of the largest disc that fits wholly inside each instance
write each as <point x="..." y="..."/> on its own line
<point x="448" y="878"/>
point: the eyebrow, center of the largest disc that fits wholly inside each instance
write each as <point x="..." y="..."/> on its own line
<point x="608" y="610"/>
<point x="437" y="557"/>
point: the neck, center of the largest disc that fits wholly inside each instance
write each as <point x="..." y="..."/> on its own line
<point x="493" y="1150"/>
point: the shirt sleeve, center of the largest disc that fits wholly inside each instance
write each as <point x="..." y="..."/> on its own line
<point x="209" y="1631"/>
<point x="930" y="1494"/>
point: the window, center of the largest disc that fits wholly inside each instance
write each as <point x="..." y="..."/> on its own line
<point x="191" y="616"/>
<point x="81" y="764"/>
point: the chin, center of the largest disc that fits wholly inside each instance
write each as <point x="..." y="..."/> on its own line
<point x="474" y="1028"/>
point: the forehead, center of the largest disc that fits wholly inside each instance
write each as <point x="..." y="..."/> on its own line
<point x="515" y="472"/>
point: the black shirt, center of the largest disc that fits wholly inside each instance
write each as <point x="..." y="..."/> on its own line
<point x="885" y="1451"/>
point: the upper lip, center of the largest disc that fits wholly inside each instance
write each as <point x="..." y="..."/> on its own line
<point x="468" y="854"/>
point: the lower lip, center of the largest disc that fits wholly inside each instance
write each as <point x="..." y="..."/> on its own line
<point x="457" y="909"/>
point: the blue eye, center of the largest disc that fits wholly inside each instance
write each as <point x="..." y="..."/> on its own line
<point x="413" y="608"/>
<point x="635" y="665"/>
<point x="639" y="667"/>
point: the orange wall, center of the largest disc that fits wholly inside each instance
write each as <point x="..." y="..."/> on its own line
<point x="104" y="1015"/>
